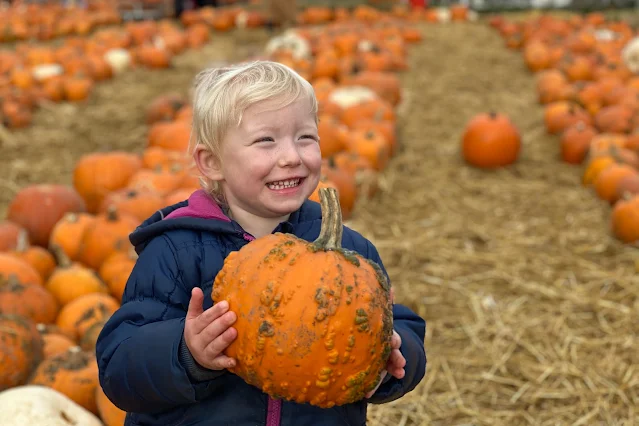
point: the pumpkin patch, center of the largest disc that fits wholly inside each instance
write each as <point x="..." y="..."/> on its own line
<point x="493" y="161"/>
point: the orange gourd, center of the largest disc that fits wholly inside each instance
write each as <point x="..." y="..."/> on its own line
<point x="314" y="320"/>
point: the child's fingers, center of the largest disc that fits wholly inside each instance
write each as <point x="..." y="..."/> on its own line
<point x="195" y="304"/>
<point x="396" y="341"/>
<point x="221" y="362"/>
<point x="217" y="327"/>
<point x="397" y="359"/>
<point x="218" y="345"/>
<point x="209" y="316"/>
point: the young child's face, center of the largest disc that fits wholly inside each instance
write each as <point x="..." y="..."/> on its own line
<point x="271" y="163"/>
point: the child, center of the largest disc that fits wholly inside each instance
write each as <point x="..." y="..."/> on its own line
<point x="161" y="354"/>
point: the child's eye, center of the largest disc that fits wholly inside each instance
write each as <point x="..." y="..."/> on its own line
<point x="309" y="137"/>
<point x="264" y="139"/>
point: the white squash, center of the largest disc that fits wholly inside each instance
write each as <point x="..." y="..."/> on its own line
<point x="347" y="96"/>
<point x="292" y="42"/>
<point x="43" y="72"/>
<point x="119" y="59"/>
<point x="630" y="55"/>
<point x="35" y="405"/>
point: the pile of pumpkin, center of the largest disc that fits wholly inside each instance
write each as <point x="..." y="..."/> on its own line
<point x="64" y="263"/>
<point x="585" y="68"/>
<point x="43" y="22"/>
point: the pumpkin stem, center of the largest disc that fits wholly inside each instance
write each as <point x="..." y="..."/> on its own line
<point x="492" y="115"/>
<point x="112" y="213"/>
<point x="23" y="241"/>
<point x="11" y="282"/>
<point x="330" y="237"/>
<point x="60" y="256"/>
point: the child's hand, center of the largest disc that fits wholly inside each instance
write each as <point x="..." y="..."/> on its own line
<point x="208" y="334"/>
<point x="395" y="364"/>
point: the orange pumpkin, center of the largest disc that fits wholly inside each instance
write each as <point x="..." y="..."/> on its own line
<point x="371" y="145"/>
<point x="137" y="203"/>
<point x="23" y="271"/>
<point x="490" y="140"/>
<point x="67" y="233"/>
<point x="164" y="107"/>
<point x="73" y="373"/>
<point x="97" y="174"/>
<point x="55" y="341"/>
<point x="20" y="350"/>
<point x="72" y="280"/>
<point x="575" y="142"/>
<point x="348" y="328"/>
<point x="625" y="220"/>
<point x="27" y="300"/>
<point x="108" y="412"/>
<point x="116" y="269"/>
<point x="77" y="316"/>
<point x="608" y="180"/>
<point x="9" y="233"/>
<point x="38" y="257"/>
<point x="37" y="208"/>
<point x="108" y="233"/>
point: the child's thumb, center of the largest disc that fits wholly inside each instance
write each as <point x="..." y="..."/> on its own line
<point x="195" y="304"/>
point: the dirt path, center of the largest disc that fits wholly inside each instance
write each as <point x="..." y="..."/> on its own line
<point x="112" y="118"/>
<point x="531" y="305"/>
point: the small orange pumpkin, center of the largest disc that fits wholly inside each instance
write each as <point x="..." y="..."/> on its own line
<point x="21" y="350"/>
<point x="490" y="140"/>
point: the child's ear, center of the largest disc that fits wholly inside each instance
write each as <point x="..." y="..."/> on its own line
<point x="207" y="163"/>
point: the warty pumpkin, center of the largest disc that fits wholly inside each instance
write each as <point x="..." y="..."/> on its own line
<point x="28" y="300"/>
<point x="73" y="373"/>
<point x="20" y="350"/>
<point x="314" y="320"/>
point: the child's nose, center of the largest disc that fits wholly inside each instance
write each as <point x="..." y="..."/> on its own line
<point x="289" y="155"/>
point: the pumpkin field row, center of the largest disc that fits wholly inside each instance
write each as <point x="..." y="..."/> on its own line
<point x="585" y="68"/>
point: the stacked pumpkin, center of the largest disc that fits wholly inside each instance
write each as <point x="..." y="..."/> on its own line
<point x="54" y="299"/>
<point x="585" y="67"/>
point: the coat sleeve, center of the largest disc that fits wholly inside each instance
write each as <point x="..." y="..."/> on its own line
<point x="144" y="365"/>
<point x="412" y="330"/>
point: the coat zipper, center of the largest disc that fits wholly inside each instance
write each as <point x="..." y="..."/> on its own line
<point x="274" y="411"/>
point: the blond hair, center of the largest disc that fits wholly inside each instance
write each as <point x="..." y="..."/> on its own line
<point x="222" y="95"/>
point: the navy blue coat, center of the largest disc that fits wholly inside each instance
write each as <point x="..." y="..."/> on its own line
<point x="146" y="369"/>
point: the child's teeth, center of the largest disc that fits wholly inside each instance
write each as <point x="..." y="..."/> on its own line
<point x="284" y="184"/>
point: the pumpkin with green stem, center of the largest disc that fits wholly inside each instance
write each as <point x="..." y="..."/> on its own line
<point x="314" y="320"/>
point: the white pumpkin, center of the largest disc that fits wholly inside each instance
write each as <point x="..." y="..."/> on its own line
<point x="292" y="42"/>
<point x="630" y="55"/>
<point x="119" y="59"/>
<point x="348" y="96"/>
<point x="43" y="72"/>
<point x="36" y="405"/>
